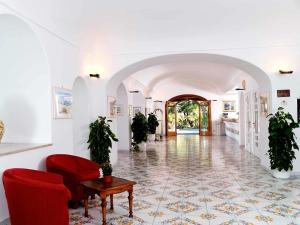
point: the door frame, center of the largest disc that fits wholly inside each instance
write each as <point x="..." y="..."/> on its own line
<point x="197" y="99"/>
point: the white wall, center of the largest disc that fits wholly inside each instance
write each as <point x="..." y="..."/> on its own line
<point x="25" y="90"/>
<point x="123" y="119"/>
<point x="80" y="116"/>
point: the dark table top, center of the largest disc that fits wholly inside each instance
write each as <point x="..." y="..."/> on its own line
<point x="99" y="185"/>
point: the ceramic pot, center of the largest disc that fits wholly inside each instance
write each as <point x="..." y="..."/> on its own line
<point x="142" y="146"/>
<point x="281" y="174"/>
<point x="107" y="179"/>
<point x="1" y="130"/>
<point x="151" y="137"/>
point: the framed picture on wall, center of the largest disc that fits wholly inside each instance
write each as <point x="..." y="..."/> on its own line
<point x="229" y="106"/>
<point x="62" y="103"/>
<point x="111" y="106"/>
<point x="264" y="111"/>
<point x="119" y="109"/>
<point x="136" y="110"/>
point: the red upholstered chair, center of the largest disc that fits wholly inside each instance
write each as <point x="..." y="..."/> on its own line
<point x="36" y="197"/>
<point x="74" y="169"/>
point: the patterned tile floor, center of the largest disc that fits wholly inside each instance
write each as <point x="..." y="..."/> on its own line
<point x="192" y="180"/>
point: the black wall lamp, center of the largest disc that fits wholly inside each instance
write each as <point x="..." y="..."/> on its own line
<point x="148" y="98"/>
<point x="134" y="91"/>
<point x="158" y="101"/>
<point x="286" y="71"/>
<point x="240" y="89"/>
<point x="94" y="75"/>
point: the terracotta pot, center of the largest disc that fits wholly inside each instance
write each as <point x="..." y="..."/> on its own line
<point x="107" y="179"/>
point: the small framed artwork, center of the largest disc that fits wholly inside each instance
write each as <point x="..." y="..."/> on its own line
<point x="130" y="110"/>
<point x="264" y="110"/>
<point x="62" y="103"/>
<point x="229" y="106"/>
<point x="283" y="93"/>
<point x="119" y="110"/>
<point x="111" y="106"/>
<point x="136" y="110"/>
<point x="298" y="109"/>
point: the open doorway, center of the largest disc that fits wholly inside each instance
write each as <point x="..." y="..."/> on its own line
<point x="188" y="114"/>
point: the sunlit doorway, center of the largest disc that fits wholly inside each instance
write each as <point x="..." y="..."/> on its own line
<point x="188" y="114"/>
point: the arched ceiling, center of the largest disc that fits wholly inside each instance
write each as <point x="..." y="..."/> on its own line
<point x="124" y="24"/>
<point x="211" y="77"/>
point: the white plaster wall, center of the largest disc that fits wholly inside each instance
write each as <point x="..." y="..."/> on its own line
<point x="25" y="92"/>
<point x="123" y="119"/>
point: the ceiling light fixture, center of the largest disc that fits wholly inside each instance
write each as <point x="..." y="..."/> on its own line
<point x="94" y="75"/>
<point x="286" y="71"/>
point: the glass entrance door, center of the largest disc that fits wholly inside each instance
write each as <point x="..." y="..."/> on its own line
<point x="205" y="120"/>
<point x="171" y="118"/>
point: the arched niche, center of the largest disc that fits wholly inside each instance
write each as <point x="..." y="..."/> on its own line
<point x="25" y="88"/>
<point x="80" y="116"/>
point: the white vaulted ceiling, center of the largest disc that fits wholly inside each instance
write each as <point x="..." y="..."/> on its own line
<point x="207" y="76"/>
<point x="124" y="25"/>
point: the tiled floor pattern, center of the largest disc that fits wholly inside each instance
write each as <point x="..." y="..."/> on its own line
<point x="192" y="180"/>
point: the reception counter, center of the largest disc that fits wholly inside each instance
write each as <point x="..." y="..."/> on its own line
<point x="232" y="129"/>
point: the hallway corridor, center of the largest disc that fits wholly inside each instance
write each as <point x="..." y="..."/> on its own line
<point x="198" y="180"/>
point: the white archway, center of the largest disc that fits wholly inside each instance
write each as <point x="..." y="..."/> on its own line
<point x="80" y="112"/>
<point x="261" y="78"/>
<point x="25" y="87"/>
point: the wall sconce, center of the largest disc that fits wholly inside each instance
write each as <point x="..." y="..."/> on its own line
<point x="94" y="75"/>
<point x="134" y="92"/>
<point x="286" y="71"/>
<point x="148" y="98"/>
<point x="158" y="101"/>
<point x="240" y="89"/>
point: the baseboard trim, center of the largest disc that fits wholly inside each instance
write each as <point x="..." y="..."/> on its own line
<point x="5" y="222"/>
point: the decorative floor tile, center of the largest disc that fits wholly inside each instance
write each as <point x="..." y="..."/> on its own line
<point x="270" y="195"/>
<point x="192" y="180"/>
<point x="182" y="207"/>
<point x="232" y="208"/>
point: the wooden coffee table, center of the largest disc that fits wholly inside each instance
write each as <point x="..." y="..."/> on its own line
<point x="102" y="189"/>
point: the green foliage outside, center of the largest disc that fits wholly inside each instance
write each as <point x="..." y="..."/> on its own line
<point x="187" y="115"/>
<point x="282" y="140"/>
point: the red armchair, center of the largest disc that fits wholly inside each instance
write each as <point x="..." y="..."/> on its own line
<point x="74" y="169"/>
<point x="36" y="197"/>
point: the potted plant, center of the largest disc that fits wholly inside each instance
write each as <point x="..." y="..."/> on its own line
<point x="100" y="141"/>
<point x="152" y="124"/>
<point x="107" y="171"/>
<point x="282" y="143"/>
<point x="139" y="129"/>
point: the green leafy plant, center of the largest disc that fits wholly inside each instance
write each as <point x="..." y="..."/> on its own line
<point x="282" y="140"/>
<point x="139" y="129"/>
<point x="100" y="140"/>
<point x="107" y="169"/>
<point x="152" y="123"/>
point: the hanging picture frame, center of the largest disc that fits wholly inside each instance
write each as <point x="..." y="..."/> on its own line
<point x="229" y="106"/>
<point x="111" y="106"/>
<point x="63" y="100"/>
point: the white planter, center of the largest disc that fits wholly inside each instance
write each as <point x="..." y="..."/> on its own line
<point x="281" y="174"/>
<point x="142" y="146"/>
<point x="151" y="137"/>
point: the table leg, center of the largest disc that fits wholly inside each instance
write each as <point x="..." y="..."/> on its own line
<point x="103" y="205"/>
<point x="112" y="202"/>
<point x="86" y="204"/>
<point x="130" y="199"/>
